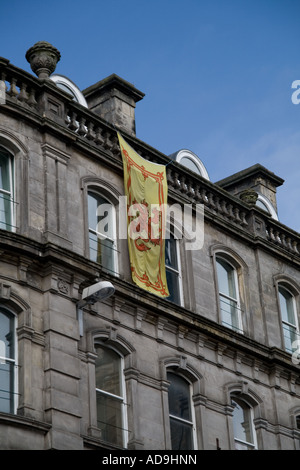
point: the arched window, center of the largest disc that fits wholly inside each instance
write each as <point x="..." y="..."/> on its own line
<point x="289" y="320"/>
<point x="264" y="203"/>
<point x="191" y="161"/>
<point x="172" y="263"/>
<point x="229" y="295"/>
<point x="67" y="85"/>
<point x="6" y="191"/>
<point x="110" y="395"/>
<point x="8" y="380"/>
<point x="243" y="427"/>
<point x="182" y="426"/>
<point x="102" y="232"/>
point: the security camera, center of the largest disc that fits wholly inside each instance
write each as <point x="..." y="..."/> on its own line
<point x="96" y="292"/>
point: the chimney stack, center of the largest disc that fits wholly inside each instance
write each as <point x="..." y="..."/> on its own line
<point x="114" y="100"/>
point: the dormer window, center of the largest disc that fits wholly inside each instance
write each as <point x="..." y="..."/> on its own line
<point x="67" y="85"/>
<point x="190" y="161"/>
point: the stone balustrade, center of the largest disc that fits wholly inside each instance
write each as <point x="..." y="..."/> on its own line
<point x="18" y="85"/>
<point x="90" y="127"/>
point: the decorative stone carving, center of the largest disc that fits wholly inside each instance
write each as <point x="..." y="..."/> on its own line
<point x="5" y="291"/>
<point x="249" y="196"/>
<point x="62" y="286"/>
<point x="43" y="58"/>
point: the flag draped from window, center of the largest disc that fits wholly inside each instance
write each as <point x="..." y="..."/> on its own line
<point x="146" y="190"/>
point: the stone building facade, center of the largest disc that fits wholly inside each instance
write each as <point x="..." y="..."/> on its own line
<point x="216" y="366"/>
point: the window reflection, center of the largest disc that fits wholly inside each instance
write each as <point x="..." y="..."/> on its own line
<point x="6" y="195"/>
<point x="110" y="396"/>
<point x="7" y="362"/>
<point x="172" y="269"/>
<point x="289" y="318"/>
<point x="228" y="295"/>
<point x="190" y="164"/>
<point x="242" y="425"/>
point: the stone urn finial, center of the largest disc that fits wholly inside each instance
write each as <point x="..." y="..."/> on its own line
<point x="249" y="196"/>
<point x="43" y="58"/>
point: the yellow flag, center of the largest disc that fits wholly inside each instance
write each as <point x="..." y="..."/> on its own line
<point x="146" y="190"/>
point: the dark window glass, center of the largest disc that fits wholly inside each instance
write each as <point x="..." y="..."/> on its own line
<point x="242" y="425"/>
<point x="181" y="425"/>
<point x="110" y="400"/>
<point x="6" y="199"/>
<point x="101" y="231"/>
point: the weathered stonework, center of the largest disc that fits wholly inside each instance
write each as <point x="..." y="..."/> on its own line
<point x="43" y="58"/>
<point x="62" y="149"/>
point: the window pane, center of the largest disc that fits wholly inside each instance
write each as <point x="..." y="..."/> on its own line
<point x="172" y="275"/>
<point x="173" y="286"/>
<point x="286" y="306"/>
<point x="188" y="162"/>
<point x="100" y="215"/>
<point x="180" y="409"/>
<point x="64" y="87"/>
<point x="4" y="172"/>
<point x="6" y="386"/>
<point x="226" y="278"/>
<point x="290" y="335"/>
<point x="230" y="313"/>
<point x="181" y="435"/>
<point x="6" y="334"/>
<point x="5" y="212"/>
<point x="262" y="205"/>
<point x="243" y="446"/>
<point x="6" y="367"/>
<point x="109" y="419"/>
<point x="101" y="236"/>
<point x="179" y="397"/>
<point x="171" y="252"/>
<point x="108" y="369"/>
<point x="101" y="251"/>
<point x="242" y="422"/>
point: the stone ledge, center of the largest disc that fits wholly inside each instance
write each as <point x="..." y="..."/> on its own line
<point x="22" y="421"/>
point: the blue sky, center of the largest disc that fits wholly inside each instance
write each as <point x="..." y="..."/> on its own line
<point x="216" y="74"/>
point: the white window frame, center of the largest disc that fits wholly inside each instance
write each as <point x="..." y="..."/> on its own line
<point x="4" y="359"/>
<point x="102" y="236"/>
<point x="193" y="415"/>
<point x="74" y="90"/>
<point x="269" y="207"/>
<point x="196" y="160"/>
<point x="122" y="398"/>
<point x="10" y="193"/>
<point x="294" y="326"/>
<point x="253" y="444"/>
<point x="232" y="299"/>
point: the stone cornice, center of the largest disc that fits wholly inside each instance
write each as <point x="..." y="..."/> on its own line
<point x="42" y="256"/>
